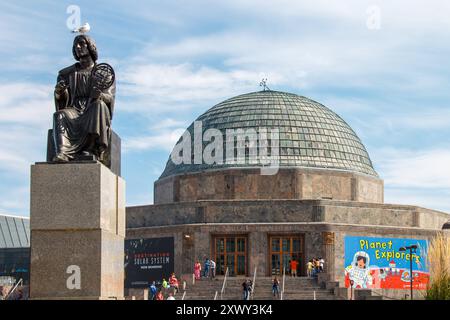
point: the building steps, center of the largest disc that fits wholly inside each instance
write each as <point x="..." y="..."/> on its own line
<point x="299" y="288"/>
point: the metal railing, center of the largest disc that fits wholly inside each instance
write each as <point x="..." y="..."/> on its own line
<point x="253" y="283"/>
<point x="282" y="288"/>
<point x="13" y="289"/>
<point x="184" y="295"/>
<point x="215" y="296"/>
<point x="224" y="284"/>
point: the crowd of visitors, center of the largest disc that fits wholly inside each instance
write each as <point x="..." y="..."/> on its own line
<point x="315" y="266"/>
<point x="164" y="289"/>
<point x="168" y="289"/>
<point x="209" y="269"/>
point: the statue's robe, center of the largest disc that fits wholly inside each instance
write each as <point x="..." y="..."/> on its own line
<point x="80" y="123"/>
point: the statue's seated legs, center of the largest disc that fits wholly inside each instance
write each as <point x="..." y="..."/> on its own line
<point x="110" y="157"/>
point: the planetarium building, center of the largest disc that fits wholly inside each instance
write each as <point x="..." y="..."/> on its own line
<point x="324" y="200"/>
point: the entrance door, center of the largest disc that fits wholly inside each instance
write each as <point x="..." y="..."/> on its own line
<point x="231" y="252"/>
<point x="282" y="250"/>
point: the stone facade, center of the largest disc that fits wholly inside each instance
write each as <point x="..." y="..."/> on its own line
<point x="293" y="183"/>
<point x="322" y="224"/>
<point x="284" y="211"/>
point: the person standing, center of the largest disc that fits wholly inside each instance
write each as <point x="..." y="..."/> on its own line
<point x="249" y="289"/>
<point x="309" y="268"/>
<point x="275" y="287"/>
<point x="321" y="264"/>
<point x="293" y="266"/>
<point x="173" y="282"/>
<point x="197" y="270"/>
<point x="165" y="286"/>
<point x="317" y="265"/>
<point x="245" y="289"/>
<point x="207" y="264"/>
<point x="212" y="265"/>
<point x="153" y="291"/>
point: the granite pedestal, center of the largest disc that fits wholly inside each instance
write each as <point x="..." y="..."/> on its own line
<point x="77" y="224"/>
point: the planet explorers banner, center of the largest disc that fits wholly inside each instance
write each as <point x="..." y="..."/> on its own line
<point x="148" y="260"/>
<point x="378" y="263"/>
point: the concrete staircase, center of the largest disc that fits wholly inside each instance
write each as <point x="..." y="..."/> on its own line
<point x="304" y="288"/>
<point x="300" y="288"/>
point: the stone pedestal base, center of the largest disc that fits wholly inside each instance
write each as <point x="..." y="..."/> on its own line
<point x="77" y="232"/>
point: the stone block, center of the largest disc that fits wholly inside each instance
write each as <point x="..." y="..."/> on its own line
<point x="138" y="294"/>
<point x="78" y="220"/>
<point x="97" y="253"/>
<point x="331" y="285"/>
<point x="76" y="196"/>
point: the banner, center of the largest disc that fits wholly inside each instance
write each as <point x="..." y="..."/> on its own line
<point x="378" y="263"/>
<point x="148" y="260"/>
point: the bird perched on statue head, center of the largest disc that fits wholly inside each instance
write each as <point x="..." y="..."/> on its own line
<point x="83" y="29"/>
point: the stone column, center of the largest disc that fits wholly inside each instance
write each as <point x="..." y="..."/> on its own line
<point x="77" y="232"/>
<point x="328" y="254"/>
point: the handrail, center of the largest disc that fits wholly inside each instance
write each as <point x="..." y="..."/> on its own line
<point x="13" y="289"/>
<point x="282" y="289"/>
<point x="223" y="285"/>
<point x="215" y="296"/>
<point x="253" y="283"/>
<point x="184" y="294"/>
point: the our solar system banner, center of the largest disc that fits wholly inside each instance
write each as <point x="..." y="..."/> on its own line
<point x="378" y="263"/>
<point x="148" y="260"/>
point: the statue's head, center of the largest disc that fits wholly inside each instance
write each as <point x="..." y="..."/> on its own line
<point x="84" y="45"/>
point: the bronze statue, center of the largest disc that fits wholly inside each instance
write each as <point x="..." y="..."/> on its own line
<point x="84" y="100"/>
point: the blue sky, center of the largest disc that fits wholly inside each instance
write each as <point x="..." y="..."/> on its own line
<point x="176" y="59"/>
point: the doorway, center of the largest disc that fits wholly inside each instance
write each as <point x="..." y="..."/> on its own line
<point x="230" y="252"/>
<point x="284" y="248"/>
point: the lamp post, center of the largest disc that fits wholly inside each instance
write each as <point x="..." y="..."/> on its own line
<point x="412" y="249"/>
<point x="351" y="289"/>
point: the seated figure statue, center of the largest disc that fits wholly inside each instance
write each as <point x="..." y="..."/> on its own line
<point x="82" y="121"/>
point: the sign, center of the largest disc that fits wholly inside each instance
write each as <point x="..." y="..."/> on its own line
<point x="378" y="263"/>
<point x="148" y="260"/>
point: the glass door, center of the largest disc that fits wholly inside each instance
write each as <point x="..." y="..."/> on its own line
<point x="282" y="250"/>
<point x="231" y="252"/>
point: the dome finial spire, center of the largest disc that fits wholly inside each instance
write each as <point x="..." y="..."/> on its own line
<point x="263" y="84"/>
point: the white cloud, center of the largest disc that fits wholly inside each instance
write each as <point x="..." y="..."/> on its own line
<point x="162" y="140"/>
<point x="25" y="115"/>
<point x="415" y="177"/>
<point x="183" y="82"/>
<point x="436" y="199"/>
<point x="432" y="119"/>
<point x="415" y="168"/>
<point x="26" y="103"/>
<point x="169" y="123"/>
<point x="313" y="44"/>
<point x="12" y="199"/>
<point x="152" y="89"/>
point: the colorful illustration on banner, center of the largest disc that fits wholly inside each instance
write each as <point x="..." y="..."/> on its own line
<point x="378" y="263"/>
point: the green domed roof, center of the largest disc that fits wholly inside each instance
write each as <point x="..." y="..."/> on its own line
<point x="311" y="135"/>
